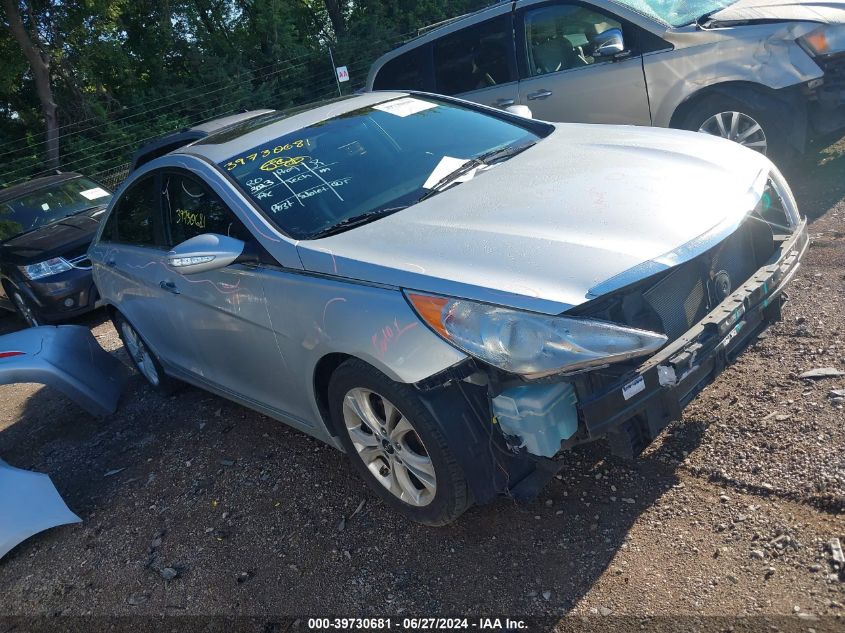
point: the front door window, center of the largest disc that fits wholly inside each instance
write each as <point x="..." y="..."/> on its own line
<point x="560" y="37"/>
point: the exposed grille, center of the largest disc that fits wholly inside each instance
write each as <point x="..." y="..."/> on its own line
<point x="688" y="293"/>
<point x="682" y="288"/>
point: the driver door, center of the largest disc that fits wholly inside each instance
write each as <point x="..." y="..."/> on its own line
<point x="220" y="317"/>
<point x="560" y="78"/>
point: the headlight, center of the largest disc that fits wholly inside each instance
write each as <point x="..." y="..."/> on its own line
<point x="531" y="345"/>
<point x="45" y="269"/>
<point x="824" y="40"/>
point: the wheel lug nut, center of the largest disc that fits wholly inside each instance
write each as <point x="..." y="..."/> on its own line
<point x="384" y="471"/>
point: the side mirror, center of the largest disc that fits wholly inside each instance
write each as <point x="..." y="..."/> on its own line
<point x="520" y="110"/>
<point x="608" y="43"/>
<point x="204" y="253"/>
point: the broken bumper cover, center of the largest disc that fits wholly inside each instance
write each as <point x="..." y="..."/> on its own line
<point x="826" y="98"/>
<point x="634" y="410"/>
<point x="67" y="358"/>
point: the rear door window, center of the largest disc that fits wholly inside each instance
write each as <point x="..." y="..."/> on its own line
<point x="476" y="57"/>
<point x="408" y="71"/>
<point x="133" y="219"/>
<point x="191" y="208"/>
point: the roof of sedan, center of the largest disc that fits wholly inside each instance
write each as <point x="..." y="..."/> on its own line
<point x="35" y="184"/>
<point x="235" y="139"/>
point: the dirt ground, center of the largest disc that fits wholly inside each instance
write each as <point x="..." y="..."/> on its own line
<point x="729" y="513"/>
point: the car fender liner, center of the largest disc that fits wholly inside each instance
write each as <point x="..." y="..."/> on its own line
<point x="462" y="412"/>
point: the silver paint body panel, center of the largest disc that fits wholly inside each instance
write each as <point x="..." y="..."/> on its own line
<point x="536" y="232"/>
<point x="68" y="359"/>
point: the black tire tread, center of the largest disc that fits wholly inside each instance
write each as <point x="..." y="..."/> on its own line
<point x="779" y="150"/>
<point x="442" y="510"/>
<point x="167" y="385"/>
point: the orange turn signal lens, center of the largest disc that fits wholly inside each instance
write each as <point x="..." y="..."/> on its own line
<point x="430" y="310"/>
<point x="817" y="40"/>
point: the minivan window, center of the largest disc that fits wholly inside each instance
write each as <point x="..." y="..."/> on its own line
<point x="475" y="57"/>
<point x="366" y="161"/>
<point x="191" y="209"/>
<point x="408" y="71"/>
<point x="560" y="37"/>
<point x="132" y="219"/>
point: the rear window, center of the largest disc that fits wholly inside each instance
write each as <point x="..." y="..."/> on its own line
<point x="409" y="71"/>
<point x="370" y="159"/>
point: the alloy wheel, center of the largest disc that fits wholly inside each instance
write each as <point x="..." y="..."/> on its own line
<point x="140" y="354"/>
<point x="389" y="446"/>
<point x="737" y="127"/>
<point x="26" y="311"/>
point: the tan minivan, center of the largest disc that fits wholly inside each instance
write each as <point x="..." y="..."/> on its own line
<point x="768" y="75"/>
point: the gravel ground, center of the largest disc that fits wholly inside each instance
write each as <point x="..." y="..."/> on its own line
<point x="192" y="505"/>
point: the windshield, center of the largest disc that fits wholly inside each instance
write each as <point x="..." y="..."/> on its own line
<point x="374" y="159"/>
<point x="676" y="12"/>
<point x="51" y="203"/>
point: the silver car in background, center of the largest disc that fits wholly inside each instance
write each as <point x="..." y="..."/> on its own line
<point x="453" y="295"/>
<point x="769" y="75"/>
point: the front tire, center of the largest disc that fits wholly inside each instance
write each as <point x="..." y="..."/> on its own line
<point x="731" y="119"/>
<point x="143" y="358"/>
<point x="396" y="446"/>
<point x="27" y="311"/>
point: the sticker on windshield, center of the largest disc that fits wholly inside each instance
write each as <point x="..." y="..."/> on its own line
<point x="405" y="106"/>
<point x="95" y="193"/>
<point x="445" y="167"/>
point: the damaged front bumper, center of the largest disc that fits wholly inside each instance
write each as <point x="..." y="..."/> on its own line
<point x="634" y="410"/>
<point x="826" y="98"/>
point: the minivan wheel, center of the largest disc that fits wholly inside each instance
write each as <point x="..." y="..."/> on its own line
<point x="395" y="444"/>
<point x="733" y="120"/>
<point x="738" y="127"/>
<point x="27" y="311"/>
<point x="142" y="357"/>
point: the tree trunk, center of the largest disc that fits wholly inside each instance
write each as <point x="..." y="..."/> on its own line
<point x="335" y="10"/>
<point x="39" y="63"/>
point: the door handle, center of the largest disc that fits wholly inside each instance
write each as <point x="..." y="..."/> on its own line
<point x="111" y="263"/>
<point x="504" y="103"/>
<point x="540" y="94"/>
<point x="169" y="286"/>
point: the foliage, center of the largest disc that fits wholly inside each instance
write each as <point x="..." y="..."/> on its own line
<point x="124" y="72"/>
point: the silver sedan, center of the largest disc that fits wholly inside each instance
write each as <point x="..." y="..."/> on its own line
<point x="453" y="295"/>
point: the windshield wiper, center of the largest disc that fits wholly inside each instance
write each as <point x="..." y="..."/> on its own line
<point x="356" y="220"/>
<point x="487" y="158"/>
<point x="504" y="153"/>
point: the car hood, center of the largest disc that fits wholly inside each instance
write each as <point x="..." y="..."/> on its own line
<point x="70" y="235"/>
<point x="585" y="211"/>
<point x="830" y="11"/>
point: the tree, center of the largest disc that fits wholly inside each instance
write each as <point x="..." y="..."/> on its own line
<point x="39" y="63"/>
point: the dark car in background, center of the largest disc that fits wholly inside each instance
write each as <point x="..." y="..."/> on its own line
<point x="46" y="226"/>
<point x="173" y="141"/>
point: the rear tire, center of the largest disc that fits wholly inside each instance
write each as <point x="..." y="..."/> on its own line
<point x="396" y="446"/>
<point x="143" y="358"/>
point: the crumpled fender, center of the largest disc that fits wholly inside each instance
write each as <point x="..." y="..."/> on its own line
<point x="67" y="358"/>
<point x="771" y="60"/>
